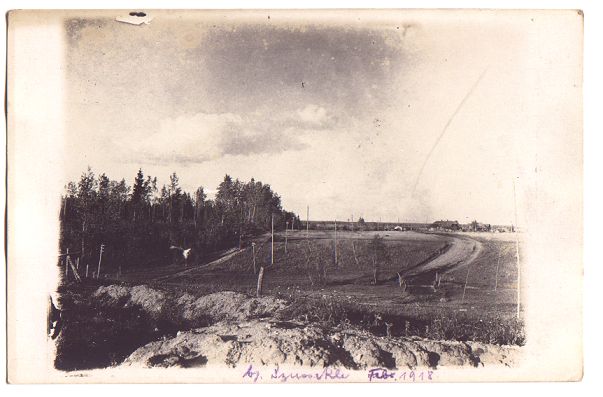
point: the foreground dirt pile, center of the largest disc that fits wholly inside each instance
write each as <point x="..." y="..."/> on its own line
<point x="228" y="328"/>
<point x="214" y="307"/>
<point x="269" y="342"/>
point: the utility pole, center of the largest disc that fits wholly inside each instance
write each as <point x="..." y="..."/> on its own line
<point x="286" y="229"/>
<point x="66" y="264"/>
<point x="335" y="242"/>
<point x="100" y="258"/>
<point x="496" y="276"/>
<point x="253" y="253"/>
<point x="308" y="222"/>
<point x="272" y="245"/>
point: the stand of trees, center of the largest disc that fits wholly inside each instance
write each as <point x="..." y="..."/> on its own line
<point x="139" y="223"/>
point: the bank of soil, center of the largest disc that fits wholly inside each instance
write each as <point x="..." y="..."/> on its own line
<point x="144" y="326"/>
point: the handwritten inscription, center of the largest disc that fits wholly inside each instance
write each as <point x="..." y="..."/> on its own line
<point x="383" y="374"/>
<point x="325" y="374"/>
<point x="332" y="374"/>
<point x="253" y="374"/>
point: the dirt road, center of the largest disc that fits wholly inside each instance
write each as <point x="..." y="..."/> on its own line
<point x="462" y="251"/>
<point x="223" y="257"/>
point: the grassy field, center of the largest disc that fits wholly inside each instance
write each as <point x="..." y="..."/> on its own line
<point x="309" y="264"/>
<point x="318" y="289"/>
<point x="307" y="272"/>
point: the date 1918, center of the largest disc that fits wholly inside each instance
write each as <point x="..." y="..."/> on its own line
<point x="383" y="374"/>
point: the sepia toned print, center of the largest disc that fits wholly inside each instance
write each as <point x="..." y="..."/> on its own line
<point x="295" y="196"/>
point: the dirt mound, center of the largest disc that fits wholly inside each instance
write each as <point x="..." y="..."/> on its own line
<point x="150" y="300"/>
<point x="229" y="305"/>
<point x="245" y="330"/>
<point x="265" y="342"/>
<point x="186" y="307"/>
<point x="112" y="294"/>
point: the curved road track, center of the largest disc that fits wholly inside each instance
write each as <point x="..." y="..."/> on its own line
<point x="462" y="251"/>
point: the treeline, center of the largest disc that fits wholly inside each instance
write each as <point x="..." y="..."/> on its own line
<point x="137" y="224"/>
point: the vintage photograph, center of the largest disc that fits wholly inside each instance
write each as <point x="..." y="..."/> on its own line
<point x="302" y="196"/>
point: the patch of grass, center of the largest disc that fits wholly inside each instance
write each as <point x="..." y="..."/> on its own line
<point x="498" y="331"/>
<point x="444" y="325"/>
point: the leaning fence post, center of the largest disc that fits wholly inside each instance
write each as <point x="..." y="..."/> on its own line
<point x="260" y="281"/>
<point x="100" y="258"/>
<point x="67" y="264"/>
<point x="465" y="287"/>
<point x="354" y="251"/>
<point x="73" y="270"/>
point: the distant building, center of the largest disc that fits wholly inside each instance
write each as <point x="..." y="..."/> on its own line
<point x="446" y="225"/>
<point x="476" y="226"/>
<point x="480" y="227"/>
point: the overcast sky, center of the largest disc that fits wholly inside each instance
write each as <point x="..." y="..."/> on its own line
<point x="406" y="116"/>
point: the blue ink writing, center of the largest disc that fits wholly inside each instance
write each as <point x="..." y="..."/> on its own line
<point x="326" y="374"/>
<point x="250" y="373"/>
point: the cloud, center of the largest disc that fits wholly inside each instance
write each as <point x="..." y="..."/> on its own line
<point x="248" y="142"/>
<point x="205" y="136"/>
<point x="314" y="116"/>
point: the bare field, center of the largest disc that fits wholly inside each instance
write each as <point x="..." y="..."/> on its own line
<point x="306" y="286"/>
<point x="478" y="274"/>
<point x="299" y="265"/>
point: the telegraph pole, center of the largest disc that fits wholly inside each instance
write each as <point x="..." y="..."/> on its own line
<point x="100" y="258"/>
<point x="307" y="221"/>
<point x="253" y="253"/>
<point x="66" y="264"/>
<point x="286" y="229"/>
<point x="272" y="245"/>
<point x="335" y="242"/>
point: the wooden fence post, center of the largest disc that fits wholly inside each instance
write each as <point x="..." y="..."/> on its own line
<point x="253" y="253"/>
<point x="335" y="247"/>
<point x="100" y="258"/>
<point x="374" y="271"/>
<point x="286" y="228"/>
<point x="308" y="222"/>
<point x="67" y="265"/>
<point x="73" y="270"/>
<point x="401" y="282"/>
<point x="260" y="281"/>
<point x="465" y="287"/>
<point x="86" y="270"/>
<point x="496" y="275"/>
